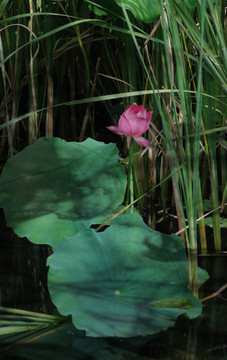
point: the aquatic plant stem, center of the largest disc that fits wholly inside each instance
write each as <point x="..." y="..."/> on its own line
<point x="130" y="176"/>
<point x="192" y="250"/>
<point x="216" y="293"/>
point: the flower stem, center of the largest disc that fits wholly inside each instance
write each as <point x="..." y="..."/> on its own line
<point x="130" y="177"/>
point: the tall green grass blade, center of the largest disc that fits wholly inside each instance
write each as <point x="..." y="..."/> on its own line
<point x="3" y="70"/>
<point x="3" y="5"/>
<point x="113" y="97"/>
<point x="192" y="251"/>
<point x="177" y="155"/>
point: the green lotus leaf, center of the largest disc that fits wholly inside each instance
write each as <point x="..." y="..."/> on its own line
<point x="105" y="8"/>
<point x="55" y="188"/>
<point x="144" y="10"/>
<point x="126" y="281"/>
<point x="149" y="10"/>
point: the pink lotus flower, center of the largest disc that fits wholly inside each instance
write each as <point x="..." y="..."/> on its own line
<point x="132" y="123"/>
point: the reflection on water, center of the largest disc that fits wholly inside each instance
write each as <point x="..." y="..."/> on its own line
<point x="23" y="285"/>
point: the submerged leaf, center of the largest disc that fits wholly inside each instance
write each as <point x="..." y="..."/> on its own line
<point x="55" y="188"/>
<point x="126" y="281"/>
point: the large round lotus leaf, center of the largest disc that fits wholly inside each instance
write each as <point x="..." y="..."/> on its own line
<point x="126" y="281"/>
<point x="55" y="188"/>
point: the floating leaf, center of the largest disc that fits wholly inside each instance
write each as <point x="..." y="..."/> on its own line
<point x="55" y="188"/>
<point x="126" y="281"/>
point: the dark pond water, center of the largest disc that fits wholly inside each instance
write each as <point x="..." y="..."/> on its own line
<point x="23" y="286"/>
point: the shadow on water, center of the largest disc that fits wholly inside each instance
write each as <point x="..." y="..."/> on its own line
<point x="22" y="276"/>
<point x="23" y="285"/>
